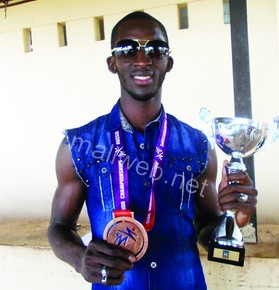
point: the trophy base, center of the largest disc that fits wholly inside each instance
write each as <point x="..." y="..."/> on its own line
<point x="226" y="254"/>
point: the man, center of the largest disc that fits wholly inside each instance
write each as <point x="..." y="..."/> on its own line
<point x="143" y="167"/>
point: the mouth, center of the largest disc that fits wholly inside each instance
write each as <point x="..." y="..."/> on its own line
<point x="142" y="80"/>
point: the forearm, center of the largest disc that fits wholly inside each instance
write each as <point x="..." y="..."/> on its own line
<point x="66" y="245"/>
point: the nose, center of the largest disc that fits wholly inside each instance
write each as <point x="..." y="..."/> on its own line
<point x="142" y="58"/>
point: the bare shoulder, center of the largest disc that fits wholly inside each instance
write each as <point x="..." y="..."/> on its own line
<point x="64" y="166"/>
<point x="70" y="193"/>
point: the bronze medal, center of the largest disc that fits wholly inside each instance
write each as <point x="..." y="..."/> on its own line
<point x="128" y="233"/>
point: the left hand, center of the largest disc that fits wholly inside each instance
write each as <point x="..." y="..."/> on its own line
<point x="229" y="195"/>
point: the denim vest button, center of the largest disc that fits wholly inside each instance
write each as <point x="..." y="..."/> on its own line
<point x="189" y="168"/>
<point x="104" y="170"/>
<point x="153" y="265"/>
<point x="147" y="184"/>
<point x="141" y="146"/>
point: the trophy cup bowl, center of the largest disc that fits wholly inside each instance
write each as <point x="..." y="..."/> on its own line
<point x="238" y="138"/>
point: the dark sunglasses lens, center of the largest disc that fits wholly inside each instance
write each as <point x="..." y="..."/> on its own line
<point x="157" y="50"/>
<point x="126" y="49"/>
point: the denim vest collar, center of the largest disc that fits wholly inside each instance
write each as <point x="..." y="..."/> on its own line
<point x="117" y="119"/>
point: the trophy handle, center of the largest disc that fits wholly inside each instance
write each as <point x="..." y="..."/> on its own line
<point x="205" y="117"/>
<point x="275" y="131"/>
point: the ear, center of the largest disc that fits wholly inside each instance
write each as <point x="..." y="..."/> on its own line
<point x="170" y="64"/>
<point x="111" y="64"/>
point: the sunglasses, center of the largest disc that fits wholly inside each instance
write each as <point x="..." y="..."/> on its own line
<point x="127" y="50"/>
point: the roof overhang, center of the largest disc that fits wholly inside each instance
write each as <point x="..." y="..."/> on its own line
<point x="9" y="3"/>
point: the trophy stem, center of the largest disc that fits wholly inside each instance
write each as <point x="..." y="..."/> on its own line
<point x="235" y="165"/>
<point x="229" y="225"/>
<point x="228" y="233"/>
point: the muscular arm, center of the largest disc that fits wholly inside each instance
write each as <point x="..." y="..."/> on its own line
<point x="67" y="203"/>
<point x="66" y="207"/>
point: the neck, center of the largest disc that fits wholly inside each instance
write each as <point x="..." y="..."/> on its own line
<point x="139" y="114"/>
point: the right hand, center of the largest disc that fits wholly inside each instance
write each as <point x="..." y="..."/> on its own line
<point x="98" y="254"/>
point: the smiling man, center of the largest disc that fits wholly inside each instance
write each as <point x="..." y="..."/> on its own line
<point x="147" y="178"/>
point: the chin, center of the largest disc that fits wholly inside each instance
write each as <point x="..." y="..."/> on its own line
<point x="142" y="98"/>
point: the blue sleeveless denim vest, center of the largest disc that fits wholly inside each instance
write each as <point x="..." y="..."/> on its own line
<point x="172" y="259"/>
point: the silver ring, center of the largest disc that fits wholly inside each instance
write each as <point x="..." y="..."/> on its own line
<point x="104" y="275"/>
<point x="243" y="197"/>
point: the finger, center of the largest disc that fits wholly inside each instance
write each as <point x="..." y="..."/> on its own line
<point x="236" y="205"/>
<point x="241" y="177"/>
<point x="109" y="255"/>
<point x="115" y="281"/>
<point x="110" y="276"/>
<point x="112" y="280"/>
<point x="234" y="197"/>
<point x="104" y="247"/>
<point x="234" y="201"/>
<point x="233" y="190"/>
<point x="111" y="271"/>
<point x="243" y="218"/>
<point x="93" y="273"/>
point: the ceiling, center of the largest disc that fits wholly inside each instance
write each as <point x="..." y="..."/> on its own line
<point x="9" y="3"/>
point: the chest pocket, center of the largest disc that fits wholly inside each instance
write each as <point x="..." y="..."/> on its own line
<point x="179" y="183"/>
<point x="100" y="191"/>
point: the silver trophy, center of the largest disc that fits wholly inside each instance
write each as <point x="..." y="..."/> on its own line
<point x="239" y="138"/>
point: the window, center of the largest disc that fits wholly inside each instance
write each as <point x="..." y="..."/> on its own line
<point x="27" y="40"/>
<point x="183" y="16"/>
<point x="99" y="28"/>
<point x="226" y="8"/>
<point x="62" y="34"/>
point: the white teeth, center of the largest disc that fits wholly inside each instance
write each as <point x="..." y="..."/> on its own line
<point x="142" y="77"/>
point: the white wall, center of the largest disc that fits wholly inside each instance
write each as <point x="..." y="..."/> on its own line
<point x="32" y="269"/>
<point x="264" y="66"/>
<point x="53" y="88"/>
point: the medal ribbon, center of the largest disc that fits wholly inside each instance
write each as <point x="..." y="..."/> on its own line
<point x="122" y="203"/>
